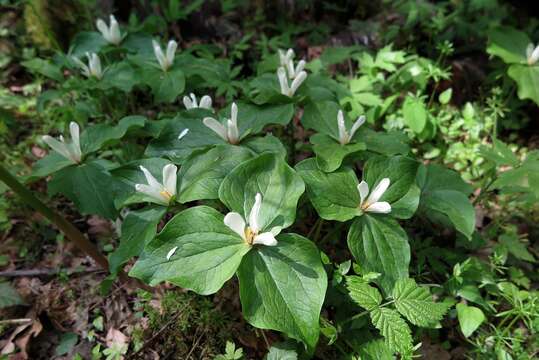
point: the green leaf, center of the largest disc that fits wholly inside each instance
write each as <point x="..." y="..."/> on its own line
<point x="9" y="296"/>
<point x="128" y="175"/>
<point x="86" y="41"/>
<point x="416" y="304"/>
<point x="269" y="175"/>
<point x="445" y="97"/>
<point x="166" y="86"/>
<point x="362" y="293"/>
<point x="330" y="153"/>
<point x="509" y="44"/>
<point x="333" y="195"/>
<point x="45" y="68"/>
<point x="88" y="186"/>
<point x="470" y="318"/>
<point x="322" y="117"/>
<point x="415" y="113"/>
<point x="393" y="328"/>
<point x="515" y="247"/>
<point x="380" y="245"/>
<point x="406" y="206"/>
<point x="276" y="353"/>
<point x="385" y="143"/>
<point x="375" y="350"/>
<point x="121" y="76"/>
<point x="527" y="79"/>
<point x="283" y="287"/>
<point x="400" y="170"/>
<point x="253" y="119"/>
<point x="444" y="199"/>
<point x="168" y="145"/>
<point x="97" y="136"/>
<point x="202" y="173"/>
<point x="67" y="343"/>
<point x="138" y="228"/>
<point x="203" y="252"/>
<point x="51" y="163"/>
<point x="268" y="143"/>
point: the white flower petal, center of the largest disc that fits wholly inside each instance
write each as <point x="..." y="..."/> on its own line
<point x="343" y="134"/>
<point x="266" y="238"/>
<point x="300" y="78"/>
<point x="103" y="28"/>
<point x="535" y="55"/>
<point x="529" y="50"/>
<point x="171" y="51"/>
<point x="216" y="126"/>
<point x="169" y="178"/>
<point x="363" y="189"/>
<point x="152" y="192"/>
<point x="283" y="81"/>
<point x="360" y="121"/>
<point x="57" y="146"/>
<point x="171" y="252"/>
<point x="188" y="103"/>
<point x="378" y="191"/>
<point x="379" y="207"/>
<point x="299" y="67"/>
<point x="152" y="181"/>
<point x="255" y="212"/>
<point x="183" y="133"/>
<point x="236" y="223"/>
<point x="232" y="132"/>
<point x="234" y="114"/>
<point x="114" y="31"/>
<point x="205" y="102"/>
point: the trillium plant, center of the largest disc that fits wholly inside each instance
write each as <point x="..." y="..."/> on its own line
<point x="239" y="189"/>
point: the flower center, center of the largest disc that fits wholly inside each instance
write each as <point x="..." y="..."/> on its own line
<point x="166" y="195"/>
<point x="249" y="235"/>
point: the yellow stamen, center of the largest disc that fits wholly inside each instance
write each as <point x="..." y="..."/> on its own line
<point x="249" y="235"/>
<point x="166" y="195"/>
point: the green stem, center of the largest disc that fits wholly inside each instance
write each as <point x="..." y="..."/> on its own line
<point x="361" y="314"/>
<point x="70" y="231"/>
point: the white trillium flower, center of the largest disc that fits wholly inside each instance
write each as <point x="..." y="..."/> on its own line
<point x="250" y="232"/>
<point x="71" y="150"/>
<point x="228" y="132"/>
<point x="344" y="136"/>
<point x="165" y="60"/>
<point x="160" y="193"/>
<point x="191" y="103"/>
<point x="110" y="33"/>
<point x="287" y="71"/>
<point x="183" y="133"/>
<point x="93" y="68"/>
<point x="532" y="53"/>
<point x="369" y="202"/>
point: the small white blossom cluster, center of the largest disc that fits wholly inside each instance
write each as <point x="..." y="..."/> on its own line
<point x="288" y="72"/>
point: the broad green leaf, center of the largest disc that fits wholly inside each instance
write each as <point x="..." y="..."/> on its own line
<point x="86" y="41"/>
<point x="88" y="186"/>
<point x="9" y="296"/>
<point x="527" y="79"/>
<point x="415" y="113"/>
<point x="45" y="68"/>
<point x="202" y="173"/>
<point x="385" y="143"/>
<point x="330" y="153"/>
<point x="509" y="44"/>
<point x="166" y="86"/>
<point x="168" y="145"/>
<point x="362" y="293"/>
<point x="202" y="252"/>
<point x="128" y="175"/>
<point x="333" y="195"/>
<point x="470" y="318"/>
<point x="379" y="244"/>
<point x="283" y="287"/>
<point x="516" y="247"/>
<point x="375" y="350"/>
<point x="400" y="170"/>
<point x="121" y="76"/>
<point x="406" y="206"/>
<point x="393" y="328"/>
<point x="268" y="143"/>
<point x="253" y="119"/>
<point x="265" y="89"/>
<point x="67" y="343"/>
<point x="444" y="199"/>
<point x="95" y="137"/>
<point x="138" y="228"/>
<point x="415" y="303"/>
<point x="49" y="164"/>
<point x="322" y="117"/>
<point x="269" y="175"/>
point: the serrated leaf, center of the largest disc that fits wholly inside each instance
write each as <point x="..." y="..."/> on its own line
<point x="416" y="304"/>
<point x="375" y="350"/>
<point x="195" y="250"/>
<point x="396" y="333"/>
<point x="283" y="287"/>
<point x="363" y="294"/>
